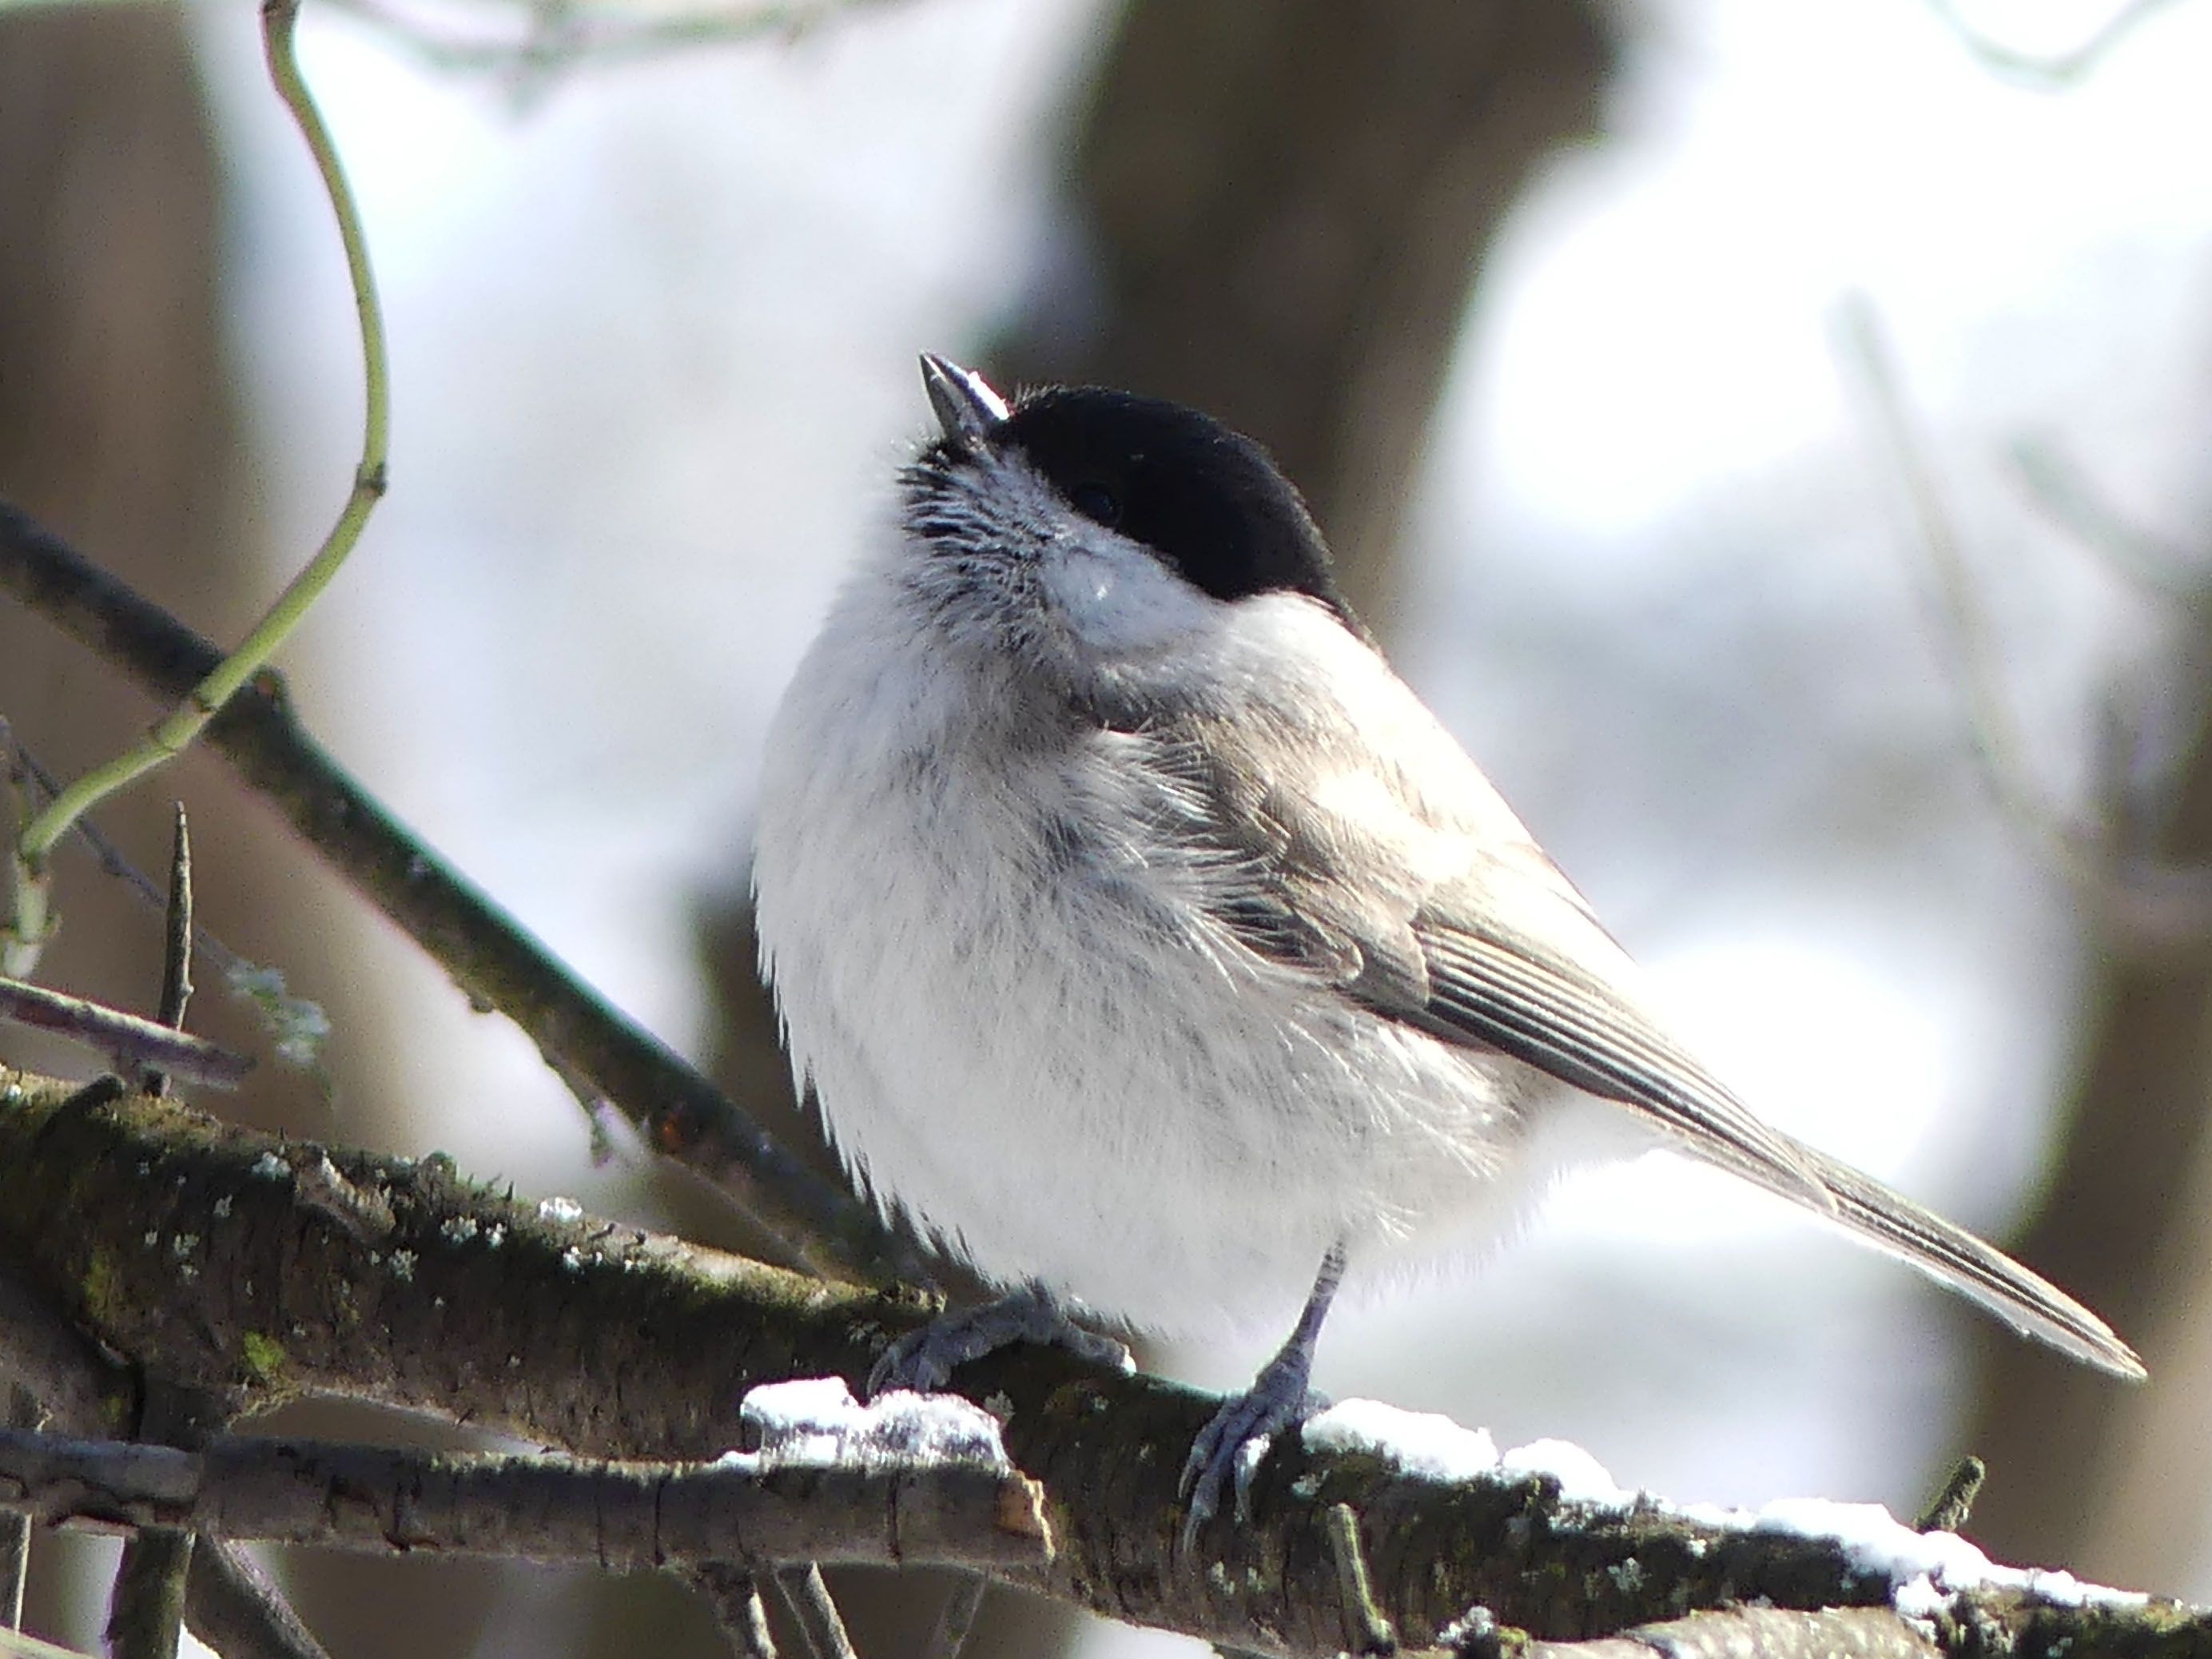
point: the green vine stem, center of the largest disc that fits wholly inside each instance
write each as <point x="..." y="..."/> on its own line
<point x="32" y="922"/>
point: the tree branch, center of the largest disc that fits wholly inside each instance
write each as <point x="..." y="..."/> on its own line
<point x="1769" y="1632"/>
<point x="236" y="1609"/>
<point x="229" y="1261"/>
<point x="626" y="1515"/>
<point x="125" y="1039"/>
<point x="488" y="953"/>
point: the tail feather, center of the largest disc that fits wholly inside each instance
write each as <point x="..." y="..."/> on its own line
<point x="1949" y="1254"/>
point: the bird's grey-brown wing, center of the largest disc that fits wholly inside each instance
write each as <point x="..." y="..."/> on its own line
<point x="1491" y="947"/>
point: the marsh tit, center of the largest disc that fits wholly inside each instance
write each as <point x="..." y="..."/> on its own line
<point x="1150" y="944"/>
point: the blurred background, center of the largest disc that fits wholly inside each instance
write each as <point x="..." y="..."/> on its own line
<point x="1773" y="437"/>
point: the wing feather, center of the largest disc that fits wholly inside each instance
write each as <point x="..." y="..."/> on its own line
<point x="1491" y="947"/>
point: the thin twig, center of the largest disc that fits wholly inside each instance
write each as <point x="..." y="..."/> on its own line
<point x="176" y="944"/>
<point x="493" y="958"/>
<point x="2163" y="568"/>
<point x="27" y="775"/>
<point x="2143" y="897"/>
<point x="24" y="1412"/>
<point x="33" y="921"/>
<point x="815" y="1612"/>
<point x="2049" y="72"/>
<point x="233" y="1605"/>
<point x="177" y="954"/>
<point x="1976" y="661"/>
<point x="1952" y="1505"/>
<point x="128" y="1040"/>
<point x="538" y="40"/>
<point x="1367" y="1632"/>
<point x="957" y="1618"/>
<point x="733" y="1594"/>
<point x="18" y="1645"/>
<point x="15" y="1567"/>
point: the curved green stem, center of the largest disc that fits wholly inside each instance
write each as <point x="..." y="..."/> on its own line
<point x="33" y="921"/>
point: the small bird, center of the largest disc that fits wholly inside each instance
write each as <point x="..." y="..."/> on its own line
<point x="1146" y="941"/>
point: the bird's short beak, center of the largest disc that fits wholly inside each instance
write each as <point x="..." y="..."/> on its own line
<point x="966" y="406"/>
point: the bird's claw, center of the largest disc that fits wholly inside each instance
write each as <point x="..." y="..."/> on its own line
<point x="1230" y="1449"/>
<point x="924" y="1360"/>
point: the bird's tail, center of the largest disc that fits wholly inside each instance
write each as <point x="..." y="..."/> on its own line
<point x="1950" y="1255"/>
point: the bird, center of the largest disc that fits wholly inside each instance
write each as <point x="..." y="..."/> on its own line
<point x="1150" y="944"/>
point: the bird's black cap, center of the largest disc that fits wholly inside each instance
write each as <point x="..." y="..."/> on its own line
<point x="1209" y="502"/>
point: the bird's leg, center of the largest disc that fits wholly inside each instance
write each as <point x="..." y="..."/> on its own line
<point x="924" y="1360"/>
<point x="1229" y="1449"/>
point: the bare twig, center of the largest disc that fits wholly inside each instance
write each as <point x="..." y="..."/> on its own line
<point x="1367" y="1632"/>
<point x="25" y="772"/>
<point x="1976" y="659"/>
<point x="16" y="1644"/>
<point x="733" y="1596"/>
<point x="176" y="955"/>
<point x="2162" y="568"/>
<point x="146" y="1609"/>
<point x="528" y="41"/>
<point x="815" y="1612"/>
<point x="2050" y="71"/>
<point x="957" y="1618"/>
<point x="2142" y="897"/>
<point x="493" y="958"/>
<point x="24" y="1412"/>
<point x="126" y="1040"/>
<point x="14" y="1568"/>
<point x="625" y="1515"/>
<point x="1952" y="1505"/>
<point x="176" y="944"/>
<point x="33" y="923"/>
<point x="237" y="1608"/>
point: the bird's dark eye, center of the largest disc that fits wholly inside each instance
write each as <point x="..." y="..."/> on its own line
<point x="1098" y="502"/>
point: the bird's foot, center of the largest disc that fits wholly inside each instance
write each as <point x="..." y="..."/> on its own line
<point x="1228" y="1451"/>
<point x="924" y="1360"/>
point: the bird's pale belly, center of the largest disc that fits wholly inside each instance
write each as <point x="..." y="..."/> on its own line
<point x="1171" y="1134"/>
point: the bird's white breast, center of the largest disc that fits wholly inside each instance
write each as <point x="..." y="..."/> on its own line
<point x="1024" y="1031"/>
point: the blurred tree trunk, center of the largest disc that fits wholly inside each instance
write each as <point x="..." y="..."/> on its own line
<point x="2110" y="1479"/>
<point x="120" y="426"/>
<point x="1279" y="213"/>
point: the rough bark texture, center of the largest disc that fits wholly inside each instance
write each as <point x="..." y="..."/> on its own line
<point x="251" y="1269"/>
<point x="627" y="1516"/>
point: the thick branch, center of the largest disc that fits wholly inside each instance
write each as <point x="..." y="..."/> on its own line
<point x="488" y="954"/>
<point x="231" y="1262"/>
<point x="627" y="1516"/>
<point x="1768" y="1632"/>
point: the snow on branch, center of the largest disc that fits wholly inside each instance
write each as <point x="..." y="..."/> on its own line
<point x="915" y="1504"/>
<point x="255" y="1269"/>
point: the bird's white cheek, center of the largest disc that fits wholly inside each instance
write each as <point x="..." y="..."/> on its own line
<point x="1121" y="599"/>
